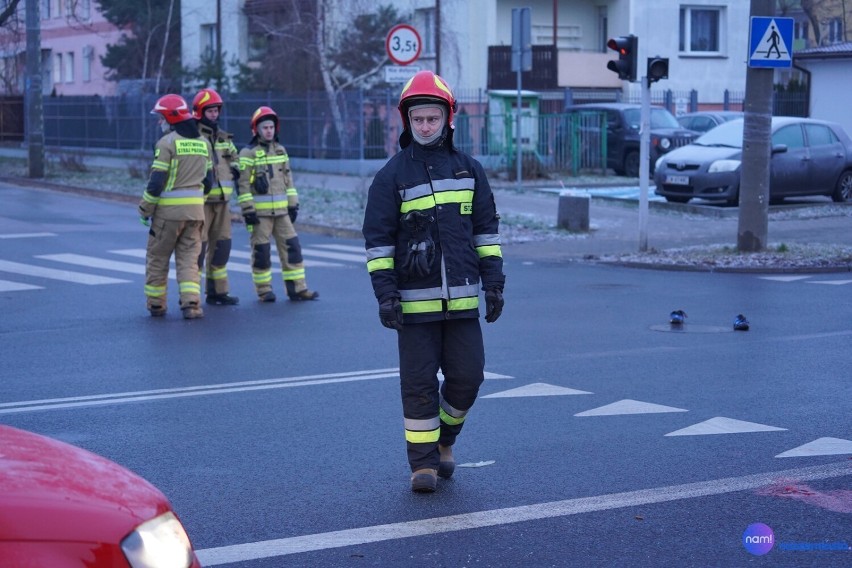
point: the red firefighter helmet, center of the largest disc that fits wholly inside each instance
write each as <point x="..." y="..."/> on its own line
<point x="205" y="98"/>
<point x="424" y="87"/>
<point x="173" y="108"/>
<point x="261" y="114"/>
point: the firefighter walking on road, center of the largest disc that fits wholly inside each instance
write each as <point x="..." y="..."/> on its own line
<point x="270" y="205"/>
<point x="431" y="234"/>
<point x="216" y="237"/>
<point x="172" y="206"/>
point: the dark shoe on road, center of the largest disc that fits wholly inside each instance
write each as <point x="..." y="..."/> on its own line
<point x="677" y="317"/>
<point x="447" y="465"/>
<point x="267" y="297"/>
<point x="740" y="323"/>
<point x="157" y="311"/>
<point x="192" y="312"/>
<point x="222" y="300"/>
<point x="424" y="481"/>
<point x="304" y="295"/>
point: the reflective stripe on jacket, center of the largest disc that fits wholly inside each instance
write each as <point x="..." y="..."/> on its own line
<point x="270" y="160"/>
<point x="224" y="157"/>
<point x="451" y="189"/>
<point x="185" y="163"/>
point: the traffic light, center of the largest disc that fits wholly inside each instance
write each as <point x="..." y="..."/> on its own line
<point x="627" y="48"/>
<point x="658" y="68"/>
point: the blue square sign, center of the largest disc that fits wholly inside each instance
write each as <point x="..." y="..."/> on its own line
<point x="770" y="42"/>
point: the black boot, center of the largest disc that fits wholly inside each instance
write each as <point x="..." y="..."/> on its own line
<point x="222" y="300"/>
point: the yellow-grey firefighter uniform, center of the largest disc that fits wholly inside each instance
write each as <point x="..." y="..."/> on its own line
<point x="216" y="237"/>
<point x="172" y="206"/>
<point x="270" y="204"/>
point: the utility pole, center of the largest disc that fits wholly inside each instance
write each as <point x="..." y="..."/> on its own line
<point x="219" y="69"/>
<point x="753" y="226"/>
<point x="437" y="37"/>
<point x="34" y="105"/>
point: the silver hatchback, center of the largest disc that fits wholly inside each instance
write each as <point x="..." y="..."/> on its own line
<point x="809" y="157"/>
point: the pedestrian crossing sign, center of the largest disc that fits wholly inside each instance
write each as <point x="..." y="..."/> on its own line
<point x="770" y="42"/>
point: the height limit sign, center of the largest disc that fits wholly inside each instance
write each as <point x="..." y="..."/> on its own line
<point x="403" y="44"/>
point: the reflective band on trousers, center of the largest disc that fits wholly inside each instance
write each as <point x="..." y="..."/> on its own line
<point x="450" y="415"/>
<point x="422" y="431"/>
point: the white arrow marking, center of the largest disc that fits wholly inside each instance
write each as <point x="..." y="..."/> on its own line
<point x="536" y="389"/>
<point x="722" y="425"/>
<point x="629" y="406"/>
<point x="783" y="278"/>
<point x="820" y="447"/>
<point x="830" y="282"/>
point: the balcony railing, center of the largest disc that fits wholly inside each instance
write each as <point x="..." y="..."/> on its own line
<point x="543" y="76"/>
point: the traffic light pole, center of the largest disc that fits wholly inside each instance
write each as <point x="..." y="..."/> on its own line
<point x="644" y="166"/>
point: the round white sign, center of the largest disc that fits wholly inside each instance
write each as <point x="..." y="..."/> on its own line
<point x="403" y="44"/>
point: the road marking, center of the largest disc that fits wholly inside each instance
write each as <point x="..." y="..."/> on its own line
<point x="309" y="262"/>
<point x="201" y="390"/>
<point x="496" y="517"/>
<point x="783" y="278"/>
<point x="356" y="258"/>
<point x="8" y="286"/>
<point x="629" y="406"/>
<point x="66" y="275"/>
<point x="722" y="425"/>
<point x="536" y="389"/>
<point x="348" y="248"/>
<point x="26" y="235"/>
<point x="830" y="282"/>
<point x="95" y="262"/>
<point x="820" y="447"/>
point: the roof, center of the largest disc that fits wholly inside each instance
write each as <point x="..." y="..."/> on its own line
<point x="833" y="51"/>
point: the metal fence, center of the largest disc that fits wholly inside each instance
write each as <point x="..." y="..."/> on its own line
<point x="371" y="125"/>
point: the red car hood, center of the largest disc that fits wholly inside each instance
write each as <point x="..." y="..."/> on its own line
<point x="52" y="491"/>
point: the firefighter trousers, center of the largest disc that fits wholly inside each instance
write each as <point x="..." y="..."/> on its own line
<point x="183" y="238"/>
<point x="216" y="247"/>
<point x="436" y="415"/>
<point x="279" y="229"/>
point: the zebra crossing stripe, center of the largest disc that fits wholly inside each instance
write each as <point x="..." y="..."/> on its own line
<point x="26" y="235"/>
<point x="51" y="273"/>
<point x="95" y="262"/>
<point x="7" y="286"/>
<point x="309" y="263"/>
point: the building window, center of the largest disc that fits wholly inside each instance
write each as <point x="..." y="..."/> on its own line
<point x="57" y="68"/>
<point x="69" y="67"/>
<point x="427" y="16"/>
<point x="207" y="35"/>
<point x="835" y="30"/>
<point x="700" y="30"/>
<point x="45" y="9"/>
<point x="88" y="60"/>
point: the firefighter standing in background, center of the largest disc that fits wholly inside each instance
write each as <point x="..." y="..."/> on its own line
<point x="270" y="204"/>
<point x="431" y="233"/>
<point x="172" y="207"/>
<point x="216" y="241"/>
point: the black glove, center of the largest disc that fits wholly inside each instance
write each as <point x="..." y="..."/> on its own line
<point x="235" y="174"/>
<point x="293" y="212"/>
<point x="390" y="313"/>
<point x="261" y="184"/>
<point x="493" y="305"/>
<point x="251" y="218"/>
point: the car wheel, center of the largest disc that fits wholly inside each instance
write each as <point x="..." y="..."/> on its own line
<point x="631" y="164"/>
<point x="843" y="190"/>
<point x="677" y="199"/>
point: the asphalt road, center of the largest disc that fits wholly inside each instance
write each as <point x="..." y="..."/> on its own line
<point x="602" y="436"/>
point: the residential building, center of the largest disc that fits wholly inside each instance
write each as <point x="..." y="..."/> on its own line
<point x="829" y="70"/>
<point x="74" y="36"/>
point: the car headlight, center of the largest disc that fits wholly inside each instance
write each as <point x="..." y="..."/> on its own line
<point x="159" y="543"/>
<point x="723" y="166"/>
<point x="660" y="163"/>
<point x="665" y="143"/>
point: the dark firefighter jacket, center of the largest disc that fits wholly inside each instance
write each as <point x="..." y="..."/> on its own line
<point x="451" y="189"/>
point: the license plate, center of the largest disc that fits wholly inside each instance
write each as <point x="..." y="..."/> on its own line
<point x="677" y="180"/>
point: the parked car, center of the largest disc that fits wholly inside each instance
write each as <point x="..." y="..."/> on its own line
<point x="809" y="157"/>
<point x="705" y="120"/>
<point x="61" y="505"/>
<point x="622" y="134"/>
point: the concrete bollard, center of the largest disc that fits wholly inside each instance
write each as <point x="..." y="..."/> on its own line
<point x="573" y="213"/>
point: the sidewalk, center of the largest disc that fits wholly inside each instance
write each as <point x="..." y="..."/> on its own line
<point x="530" y="216"/>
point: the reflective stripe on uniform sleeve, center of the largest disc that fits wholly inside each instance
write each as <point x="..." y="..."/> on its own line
<point x="422" y="431"/>
<point x="380" y="258"/>
<point x="487" y="245"/>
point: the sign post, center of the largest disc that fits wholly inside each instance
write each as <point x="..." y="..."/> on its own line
<point x="521" y="61"/>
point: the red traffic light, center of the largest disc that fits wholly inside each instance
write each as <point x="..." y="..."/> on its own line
<point x="627" y="48"/>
